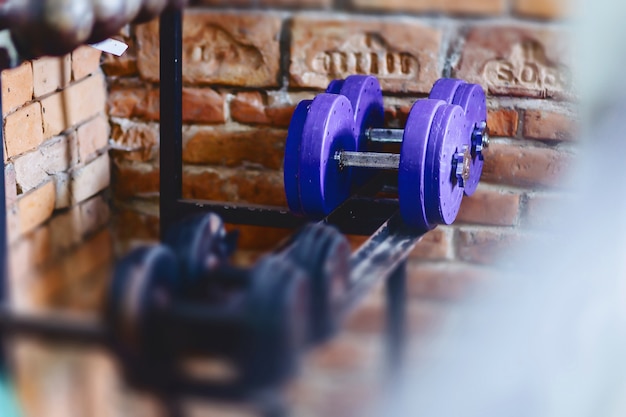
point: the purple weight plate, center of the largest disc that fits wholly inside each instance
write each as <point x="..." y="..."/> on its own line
<point x="447" y="136"/>
<point x="334" y="87"/>
<point x="471" y="98"/>
<point x="411" y="178"/>
<point x="291" y="165"/>
<point x="329" y="127"/>
<point x="445" y="88"/>
<point x="366" y="97"/>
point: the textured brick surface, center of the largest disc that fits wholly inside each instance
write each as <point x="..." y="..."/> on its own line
<point x="85" y="61"/>
<point x="36" y="206"/>
<point x="517" y="60"/>
<point x="490" y="207"/>
<point x="435" y="244"/>
<point x="137" y="141"/>
<point x="17" y="87"/>
<point x="549" y="125"/>
<point x="235" y="148"/>
<point x="92" y="137"/>
<point x="525" y="166"/>
<point x="253" y="107"/>
<point x="488" y="7"/>
<point x="444" y="281"/>
<point x="90" y="179"/>
<point x="484" y="246"/>
<point x="503" y="122"/>
<point x="322" y="50"/>
<point x="267" y="3"/>
<point x="23" y="129"/>
<point x="222" y="48"/>
<point x="51" y="74"/>
<point x="545" y="9"/>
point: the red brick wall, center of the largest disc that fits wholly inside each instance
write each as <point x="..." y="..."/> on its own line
<point x="245" y="70"/>
<point x="57" y="170"/>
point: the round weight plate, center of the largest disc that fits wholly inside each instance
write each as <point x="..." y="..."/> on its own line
<point x="366" y="97"/>
<point x="200" y="244"/>
<point x="291" y="165"/>
<point x="412" y="177"/>
<point x="471" y="98"/>
<point x="447" y="136"/>
<point x="329" y="128"/>
<point x="334" y="87"/>
<point x="145" y="277"/>
<point x="324" y="254"/>
<point x="278" y="315"/>
<point x="445" y="89"/>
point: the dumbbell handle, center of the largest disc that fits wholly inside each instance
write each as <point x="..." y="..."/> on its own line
<point x="375" y="160"/>
<point x="480" y="136"/>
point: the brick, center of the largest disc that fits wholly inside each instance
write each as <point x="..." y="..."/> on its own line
<point x="65" y="230"/>
<point x="54" y="156"/>
<point x="484" y="246"/>
<point x="94" y="214"/>
<point x="134" y="140"/>
<point x="62" y="183"/>
<point x="203" y="105"/>
<point x="121" y="66"/>
<point x="444" y="281"/>
<point x="547" y="125"/>
<point x="92" y="137"/>
<point x="13" y="223"/>
<point x="129" y="225"/>
<point x="220" y="48"/>
<point x="90" y="256"/>
<point x="235" y="148"/>
<point x="134" y="180"/>
<point x="292" y="4"/>
<point x="258" y="238"/>
<point x="490" y="207"/>
<point x="51" y="74"/>
<point x="517" y="60"/>
<point x="22" y="130"/>
<point x="435" y="244"/>
<point x="74" y="105"/>
<point x="36" y="206"/>
<point x="10" y="185"/>
<point x="481" y="7"/>
<point x="322" y="50"/>
<point x="503" y="122"/>
<point x="258" y="187"/>
<point x="17" y="87"/>
<point x="252" y="107"/>
<point x="525" y="166"/>
<point x="90" y="179"/>
<point x="544" y="9"/>
<point x="541" y="210"/>
<point x="85" y="61"/>
<point x="134" y="102"/>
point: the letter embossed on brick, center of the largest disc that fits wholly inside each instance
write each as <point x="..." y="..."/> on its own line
<point x="326" y="50"/>
<point x="219" y="48"/>
<point x="519" y="62"/>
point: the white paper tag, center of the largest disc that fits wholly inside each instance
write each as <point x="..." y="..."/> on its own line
<point x="111" y="46"/>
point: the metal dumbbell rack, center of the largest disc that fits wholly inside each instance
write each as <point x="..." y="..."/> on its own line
<point x="381" y="258"/>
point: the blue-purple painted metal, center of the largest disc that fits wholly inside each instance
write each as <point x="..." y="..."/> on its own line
<point x="412" y="177"/>
<point x="291" y="166"/>
<point x="445" y="89"/>
<point x="329" y="128"/>
<point x="471" y="98"/>
<point x="366" y="97"/>
<point x="447" y="136"/>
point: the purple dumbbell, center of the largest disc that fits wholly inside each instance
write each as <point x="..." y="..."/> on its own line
<point x="326" y="141"/>
<point x="471" y="98"/>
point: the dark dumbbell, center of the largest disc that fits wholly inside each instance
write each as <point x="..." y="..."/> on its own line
<point x="262" y="331"/>
<point x="324" y="254"/>
<point x="150" y="9"/>
<point x="201" y="245"/>
<point x="51" y="27"/>
<point x="110" y="16"/>
<point x="324" y="145"/>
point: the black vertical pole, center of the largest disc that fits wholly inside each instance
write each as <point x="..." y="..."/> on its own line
<point x="171" y="117"/>
<point x="396" y="317"/>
